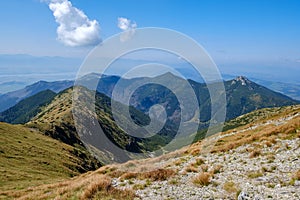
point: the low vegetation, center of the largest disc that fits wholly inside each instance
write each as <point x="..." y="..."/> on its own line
<point x="202" y="179"/>
<point x="155" y="175"/>
<point x="103" y="189"/>
<point x="267" y="133"/>
<point x="255" y="153"/>
<point x="230" y="187"/>
<point x="255" y="174"/>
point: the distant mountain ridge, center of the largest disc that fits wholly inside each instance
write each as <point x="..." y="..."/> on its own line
<point x="242" y="94"/>
<point x="12" y="98"/>
<point x="105" y="86"/>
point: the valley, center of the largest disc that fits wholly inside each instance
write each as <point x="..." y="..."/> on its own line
<point x="44" y="157"/>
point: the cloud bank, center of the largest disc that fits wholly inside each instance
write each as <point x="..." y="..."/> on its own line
<point x="75" y="28"/>
<point x="128" y="27"/>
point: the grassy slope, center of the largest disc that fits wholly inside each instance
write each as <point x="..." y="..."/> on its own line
<point x="56" y="120"/>
<point x="252" y="118"/>
<point x="28" y="158"/>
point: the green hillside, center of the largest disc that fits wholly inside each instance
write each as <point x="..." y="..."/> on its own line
<point x="29" y="158"/>
<point x="26" y="109"/>
<point x="56" y="120"/>
<point x="244" y="96"/>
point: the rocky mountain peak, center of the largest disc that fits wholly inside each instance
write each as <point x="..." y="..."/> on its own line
<point x="242" y="79"/>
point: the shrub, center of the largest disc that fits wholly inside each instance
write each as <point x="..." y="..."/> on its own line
<point x="158" y="174"/>
<point x="128" y="175"/>
<point x="178" y="162"/>
<point x="202" y="179"/>
<point x="255" y="153"/>
<point x="297" y="175"/>
<point x="268" y="143"/>
<point x="216" y="169"/>
<point x="90" y="191"/>
<point x="271" y="158"/>
<point x="173" y="182"/>
<point x="139" y="186"/>
<point x="195" y="152"/>
<point x="199" y="161"/>
<point x="191" y="169"/>
<point x="230" y="187"/>
<point x="255" y="174"/>
<point x="204" y="168"/>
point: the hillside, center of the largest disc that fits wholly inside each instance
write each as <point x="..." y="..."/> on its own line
<point x="56" y="120"/>
<point x="28" y="158"/>
<point x="259" y="160"/>
<point x="244" y="96"/>
<point x="26" y="109"/>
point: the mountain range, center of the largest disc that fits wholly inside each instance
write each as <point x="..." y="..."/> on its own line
<point x="12" y="98"/>
<point x="47" y="107"/>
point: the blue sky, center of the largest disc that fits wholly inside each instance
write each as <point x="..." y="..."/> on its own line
<point x="245" y="29"/>
<point x="257" y="36"/>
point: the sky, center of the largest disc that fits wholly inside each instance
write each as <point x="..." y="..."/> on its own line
<point x="250" y="36"/>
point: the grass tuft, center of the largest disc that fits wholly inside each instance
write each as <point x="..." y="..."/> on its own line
<point x="202" y="179"/>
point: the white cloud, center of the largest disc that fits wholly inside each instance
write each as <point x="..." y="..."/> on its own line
<point x="128" y="27"/>
<point x="75" y="28"/>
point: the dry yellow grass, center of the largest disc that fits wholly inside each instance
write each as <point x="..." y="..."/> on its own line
<point x="178" y="162"/>
<point x="202" y="179"/>
<point x="204" y="168"/>
<point x="297" y="175"/>
<point x="284" y="131"/>
<point x="198" y="162"/>
<point x="154" y="175"/>
<point x="255" y="174"/>
<point x="191" y="168"/>
<point x="255" y="153"/>
<point x="129" y="175"/>
<point x="158" y="174"/>
<point x="230" y="187"/>
<point x="216" y="169"/>
<point x="101" y="185"/>
<point x="92" y="185"/>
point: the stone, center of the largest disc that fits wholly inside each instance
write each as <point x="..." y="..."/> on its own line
<point x="243" y="196"/>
